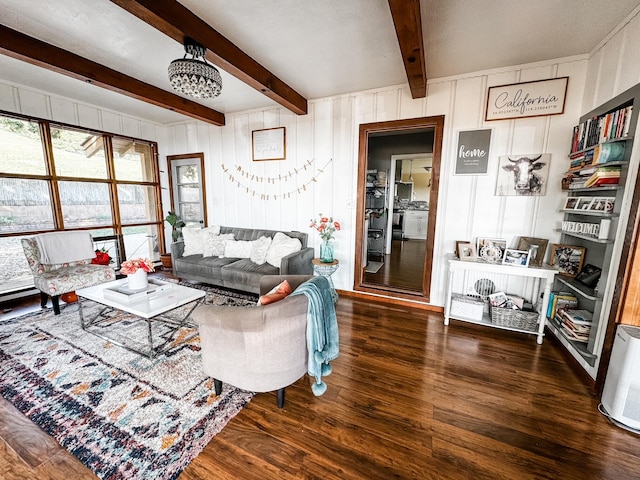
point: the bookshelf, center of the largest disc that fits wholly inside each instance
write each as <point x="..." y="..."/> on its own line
<point x="596" y="175"/>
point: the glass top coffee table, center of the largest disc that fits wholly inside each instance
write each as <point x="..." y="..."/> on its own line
<point x="149" y="322"/>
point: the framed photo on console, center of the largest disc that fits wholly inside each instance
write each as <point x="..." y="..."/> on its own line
<point x="466" y="252"/>
<point x="491" y="249"/>
<point x="536" y="247"/>
<point x="517" y="258"/>
<point x="568" y="259"/>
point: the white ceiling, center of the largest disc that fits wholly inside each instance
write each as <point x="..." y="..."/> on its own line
<point x="319" y="48"/>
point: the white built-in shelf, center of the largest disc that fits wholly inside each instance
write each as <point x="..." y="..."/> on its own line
<point x="617" y="186"/>
<point x="614" y="140"/>
<point x="577" y="287"/>
<point x="585" y="237"/>
<point x="591" y="213"/>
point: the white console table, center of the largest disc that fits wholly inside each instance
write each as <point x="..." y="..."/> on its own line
<point x="546" y="273"/>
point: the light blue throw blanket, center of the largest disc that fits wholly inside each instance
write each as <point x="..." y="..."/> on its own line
<point x="322" y="330"/>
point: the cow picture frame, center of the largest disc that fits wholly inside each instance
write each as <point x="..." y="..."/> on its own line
<point x="567" y="259"/>
<point x="537" y="248"/>
<point x="523" y="175"/>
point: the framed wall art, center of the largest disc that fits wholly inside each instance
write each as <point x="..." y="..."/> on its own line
<point x="536" y="247"/>
<point x="268" y="144"/>
<point x="568" y="259"/>
<point x="528" y="99"/>
<point x="523" y="175"/>
<point x="472" y="156"/>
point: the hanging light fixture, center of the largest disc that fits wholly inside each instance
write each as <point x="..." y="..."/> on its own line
<point x="194" y="76"/>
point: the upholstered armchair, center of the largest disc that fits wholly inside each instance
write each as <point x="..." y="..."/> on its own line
<point x="56" y="279"/>
<point x="261" y="348"/>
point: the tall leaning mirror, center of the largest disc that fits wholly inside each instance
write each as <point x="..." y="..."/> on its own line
<point x="398" y="173"/>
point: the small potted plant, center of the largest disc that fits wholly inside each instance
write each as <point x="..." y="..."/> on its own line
<point x="176" y="225"/>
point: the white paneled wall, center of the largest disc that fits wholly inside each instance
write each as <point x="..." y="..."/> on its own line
<point x="614" y="65"/>
<point x="467" y="208"/>
<point x="18" y="99"/>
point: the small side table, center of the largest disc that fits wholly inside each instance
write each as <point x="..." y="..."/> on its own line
<point x="323" y="269"/>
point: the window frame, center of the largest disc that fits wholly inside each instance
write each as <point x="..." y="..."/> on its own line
<point x="111" y="181"/>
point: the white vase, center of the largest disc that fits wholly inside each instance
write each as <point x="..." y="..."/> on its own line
<point x="138" y="280"/>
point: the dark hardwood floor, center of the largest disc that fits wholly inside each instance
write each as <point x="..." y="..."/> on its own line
<point x="408" y="398"/>
<point x="402" y="268"/>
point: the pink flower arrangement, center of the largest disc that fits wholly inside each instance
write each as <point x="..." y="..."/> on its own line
<point x="129" y="267"/>
<point x="325" y="227"/>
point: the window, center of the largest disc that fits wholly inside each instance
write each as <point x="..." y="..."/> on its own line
<point x="80" y="179"/>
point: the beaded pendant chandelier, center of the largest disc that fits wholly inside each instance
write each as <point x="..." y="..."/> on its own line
<point x="194" y="76"/>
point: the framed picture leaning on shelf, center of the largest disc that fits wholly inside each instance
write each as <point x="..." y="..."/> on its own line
<point x="537" y="247"/>
<point x="491" y="249"/>
<point x="603" y="204"/>
<point x="570" y="203"/>
<point x="568" y="259"/>
<point x="584" y="203"/>
<point x="467" y="252"/>
<point x="517" y="258"/>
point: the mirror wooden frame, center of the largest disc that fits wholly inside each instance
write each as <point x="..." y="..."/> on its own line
<point x="436" y="124"/>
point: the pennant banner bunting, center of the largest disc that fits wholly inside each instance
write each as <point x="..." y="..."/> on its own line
<point x="244" y="180"/>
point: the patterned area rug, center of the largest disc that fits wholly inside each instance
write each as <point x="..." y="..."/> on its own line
<point x="121" y="414"/>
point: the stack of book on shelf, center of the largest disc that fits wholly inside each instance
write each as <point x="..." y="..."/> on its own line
<point x="558" y="300"/>
<point x="604" y="128"/>
<point x="576" y="324"/>
<point x="603" y="176"/>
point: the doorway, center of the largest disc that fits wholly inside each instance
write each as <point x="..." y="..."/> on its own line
<point x="187" y="187"/>
<point x="398" y="173"/>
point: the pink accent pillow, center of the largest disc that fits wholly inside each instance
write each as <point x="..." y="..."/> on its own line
<point x="276" y="293"/>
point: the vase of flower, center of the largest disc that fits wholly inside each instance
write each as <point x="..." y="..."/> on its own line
<point x="326" y="252"/>
<point x="136" y="271"/>
<point x="325" y="226"/>
<point x="138" y="280"/>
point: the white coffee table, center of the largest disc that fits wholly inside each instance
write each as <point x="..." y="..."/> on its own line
<point x="151" y="308"/>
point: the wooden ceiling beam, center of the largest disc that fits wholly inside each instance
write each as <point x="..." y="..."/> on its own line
<point x="36" y="52"/>
<point x="177" y="22"/>
<point x="406" y="19"/>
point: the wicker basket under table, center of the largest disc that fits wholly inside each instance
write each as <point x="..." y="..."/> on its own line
<point x="508" y="317"/>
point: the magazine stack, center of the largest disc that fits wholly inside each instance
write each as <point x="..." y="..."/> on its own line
<point x="576" y="324"/>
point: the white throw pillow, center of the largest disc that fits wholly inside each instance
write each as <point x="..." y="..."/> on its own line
<point x="281" y="246"/>
<point x="214" y="246"/>
<point x="197" y="239"/>
<point x="259" y="249"/>
<point x="194" y="241"/>
<point x="237" y="249"/>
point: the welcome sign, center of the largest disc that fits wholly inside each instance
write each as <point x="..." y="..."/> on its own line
<point x="530" y="99"/>
<point x="472" y="156"/>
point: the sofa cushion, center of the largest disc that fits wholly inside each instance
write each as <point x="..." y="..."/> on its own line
<point x="259" y="249"/>
<point x="215" y="245"/>
<point x="237" y="249"/>
<point x="209" y="267"/>
<point x="277" y="293"/>
<point x="245" y="272"/>
<point x="281" y="246"/>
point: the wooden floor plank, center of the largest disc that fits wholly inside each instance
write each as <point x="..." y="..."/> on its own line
<point x="408" y="398"/>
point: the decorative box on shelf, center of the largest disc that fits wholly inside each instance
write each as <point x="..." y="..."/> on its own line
<point x="466" y="306"/>
<point x="120" y="291"/>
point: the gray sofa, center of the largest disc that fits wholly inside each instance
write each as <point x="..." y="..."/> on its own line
<point x="240" y="273"/>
